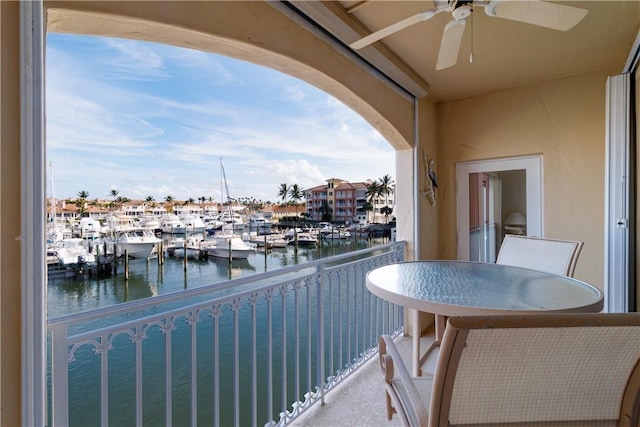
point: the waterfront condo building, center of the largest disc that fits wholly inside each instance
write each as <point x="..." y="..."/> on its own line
<point x="347" y="202"/>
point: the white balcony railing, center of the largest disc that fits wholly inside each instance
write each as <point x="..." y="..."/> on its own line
<point x="252" y="351"/>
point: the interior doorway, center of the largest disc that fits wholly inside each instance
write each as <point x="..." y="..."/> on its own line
<point x="494" y="198"/>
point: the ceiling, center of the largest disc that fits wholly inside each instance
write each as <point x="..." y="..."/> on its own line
<point x="506" y="53"/>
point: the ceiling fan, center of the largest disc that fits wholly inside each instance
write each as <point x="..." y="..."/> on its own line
<point x="536" y="12"/>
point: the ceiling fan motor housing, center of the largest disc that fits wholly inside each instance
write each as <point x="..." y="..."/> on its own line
<point x="462" y="9"/>
<point x="462" y="12"/>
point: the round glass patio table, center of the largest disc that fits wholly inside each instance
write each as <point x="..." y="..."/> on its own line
<point x="458" y="288"/>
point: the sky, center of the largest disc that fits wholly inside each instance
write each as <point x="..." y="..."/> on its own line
<point x="148" y="119"/>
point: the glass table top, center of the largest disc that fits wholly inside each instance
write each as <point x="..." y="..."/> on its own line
<point x="448" y="287"/>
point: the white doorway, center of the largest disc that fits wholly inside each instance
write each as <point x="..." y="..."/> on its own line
<point x="495" y="197"/>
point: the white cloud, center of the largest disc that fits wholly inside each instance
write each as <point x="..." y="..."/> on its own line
<point x="161" y="127"/>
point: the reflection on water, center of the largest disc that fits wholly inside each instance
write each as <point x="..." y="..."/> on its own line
<point x="68" y="295"/>
<point x="148" y="279"/>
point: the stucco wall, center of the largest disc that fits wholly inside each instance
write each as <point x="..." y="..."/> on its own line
<point x="564" y="120"/>
<point x="427" y="213"/>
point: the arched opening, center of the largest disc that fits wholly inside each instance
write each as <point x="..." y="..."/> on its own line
<point x="381" y="123"/>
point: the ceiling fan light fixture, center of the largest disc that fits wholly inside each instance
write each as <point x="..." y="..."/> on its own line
<point x="462" y="12"/>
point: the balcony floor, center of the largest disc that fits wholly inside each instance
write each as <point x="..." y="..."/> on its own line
<point x="360" y="401"/>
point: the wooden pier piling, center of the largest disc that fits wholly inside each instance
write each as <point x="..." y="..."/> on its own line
<point x="126" y="265"/>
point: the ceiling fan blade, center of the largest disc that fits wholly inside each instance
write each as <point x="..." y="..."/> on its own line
<point x="538" y="12"/>
<point x="450" y="44"/>
<point x="393" y="28"/>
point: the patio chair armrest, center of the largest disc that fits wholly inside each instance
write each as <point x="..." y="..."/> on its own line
<point x="407" y="396"/>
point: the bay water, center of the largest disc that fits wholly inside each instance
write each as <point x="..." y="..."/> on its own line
<point x="146" y="279"/>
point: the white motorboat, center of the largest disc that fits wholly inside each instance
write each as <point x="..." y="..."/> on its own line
<point x="150" y="222"/>
<point x="303" y="239"/>
<point x="232" y="218"/>
<point x="278" y="242"/>
<point x="89" y="228"/>
<point x="138" y="243"/>
<point x="57" y="231"/>
<point x="227" y="244"/>
<point x="325" y="227"/>
<point x="211" y="224"/>
<point x="171" y="224"/>
<point x="117" y="223"/>
<point x="258" y="222"/>
<point x="268" y="240"/>
<point x="191" y="245"/>
<point x="337" y="235"/>
<point x="193" y="223"/>
<point x="72" y="254"/>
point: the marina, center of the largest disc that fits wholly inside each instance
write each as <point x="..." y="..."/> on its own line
<point x="89" y="248"/>
<point x="181" y="297"/>
<point x="80" y="295"/>
<point x="113" y="279"/>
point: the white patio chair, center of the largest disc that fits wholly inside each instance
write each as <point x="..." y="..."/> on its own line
<point x="549" y="255"/>
<point x="548" y="370"/>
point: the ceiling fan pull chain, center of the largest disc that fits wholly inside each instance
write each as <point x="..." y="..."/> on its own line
<point x="471" y="54"/>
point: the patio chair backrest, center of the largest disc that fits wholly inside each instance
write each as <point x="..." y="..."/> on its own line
<point x="549" y="255"/>
<point x="551" y="370"/>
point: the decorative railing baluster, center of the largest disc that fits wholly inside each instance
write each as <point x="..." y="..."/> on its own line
<point x="216" y="311"/>
<point x="137" y="340"/>
<point x="225" y="354"/>
<point x="296" y="327"/>
<point x="308" y="290"/>
<point x="235" y="307"/>
<point x="320" y="282"/>
<point x="253" y="300"/>
<point x="283" y="383"/>
<point x="269" y="297"/>
<point x="167" y="329"/>
<point x="193" y="323"/>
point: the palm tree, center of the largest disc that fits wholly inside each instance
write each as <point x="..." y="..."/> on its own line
<point x="80" y="203"/>
<point x="113" y="193"/>
<point x="385" y="185"/>
<point x="325" y="211"/>
<point x="372" y="194"/>
<point x="149" y="201"/>
<point x="296" y="194"/>
<point x="169" y="200"/>
<point x="386" y="211"/>
<point x="122" y="199"/>
<point x="283" y="192"/>
<point x="367" y="207"/>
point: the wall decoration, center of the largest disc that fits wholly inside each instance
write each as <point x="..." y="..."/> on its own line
<point x="430" y="178"/>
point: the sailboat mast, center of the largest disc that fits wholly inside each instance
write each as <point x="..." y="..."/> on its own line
<point x="226" y="186"/>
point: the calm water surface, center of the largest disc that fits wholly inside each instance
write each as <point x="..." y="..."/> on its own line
<point x="68" y="295"/>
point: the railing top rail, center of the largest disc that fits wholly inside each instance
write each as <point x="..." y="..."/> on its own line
<point x="173" y="297"/>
